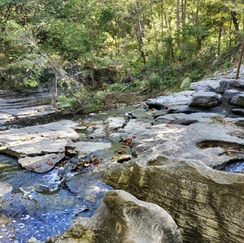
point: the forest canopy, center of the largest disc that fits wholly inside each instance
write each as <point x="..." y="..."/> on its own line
<point x="48" y="41"/>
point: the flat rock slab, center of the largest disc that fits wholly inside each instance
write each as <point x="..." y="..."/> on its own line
<point x="187" y="119"/>
<point x="30" y="111"/>
<point x="115" y="122"/>
<point x="38" y="141"/>
<point x="84" y="148"/>
<point x="41" y="164"/>
<point x="208" y="141"/>
<point x="180" y="98"/>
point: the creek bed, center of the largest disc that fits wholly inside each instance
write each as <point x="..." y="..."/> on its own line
<point x="37" y="207"/>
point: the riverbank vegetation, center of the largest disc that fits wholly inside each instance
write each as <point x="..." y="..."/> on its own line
<point x="83" y="50"/>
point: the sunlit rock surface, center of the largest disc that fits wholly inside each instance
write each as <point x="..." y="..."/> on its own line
<point x="39" y="146"/>
<point x="206" y="204"/>
<point x="123" y="218"/>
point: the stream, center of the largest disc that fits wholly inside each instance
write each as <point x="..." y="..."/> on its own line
<point x="42" y="205"/>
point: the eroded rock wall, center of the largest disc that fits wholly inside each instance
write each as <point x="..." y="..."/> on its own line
<point x="205" y="203"/>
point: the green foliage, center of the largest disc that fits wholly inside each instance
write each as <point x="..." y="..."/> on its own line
<point x="39" y="38"/>
<point x="155" y="82"/>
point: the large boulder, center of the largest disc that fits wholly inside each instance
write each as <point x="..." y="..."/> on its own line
<point x="123" y="219"/>
<point x="205" y="99"/>
<point x="206" y="204"/>
<point x="180" y="98"/>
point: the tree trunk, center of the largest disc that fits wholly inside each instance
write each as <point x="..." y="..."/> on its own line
<point x="219" y="40"/>
<point x="240" y="61"/>
<point x="234" y="19"/>
<point x="139" y="31"/>
<point x="184" y="10"/>
<point x="178" y="15"/>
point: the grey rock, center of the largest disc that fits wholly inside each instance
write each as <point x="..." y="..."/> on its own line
<point x="5" y="188"/>
<point x="229" y="94"/>
<point x="200" y="200"/>
<point x="180" y="98"/>
<point x="84" y="148"/>
<point x="238" y="100"/>
<point x="237" y="111"/>
<point x="41" y="164"/>
<point x="237" y="84"/>
<point x="115" y="122"/>
<point x="187" y="119"/>
<point x="124" y="219"/>
<point x="207" y="85"/>
<point x="205" y="99"/>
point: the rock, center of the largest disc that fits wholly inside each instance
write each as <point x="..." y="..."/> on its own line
<point x="84" y="148"/>
<point x="123" y="218"/>
<point x="240" y="122"/>
<point x="123" y="158"/>
<point x="5" y="188"/>
<point x="5" y="117"/>
<point x="33" y="240"/>
<point x="207" y="85"/>
<point x="160" y="112"/>
<point x="115" y="122"/>
<point x="180" y="98"/>
<point x="237" y="111"/>
<point x="238" y="100"/>
<point x="237" y="84"/>
<point x="187" y="119"/>
<point x="41" y="164"/>
<point x="98" y="133"/>
<point x="206" y="204"/>
<point x="229" y="94"/>
<point x="38" y="141"/>
<point x="205" y="99"/>
<point x="208" y="141"/>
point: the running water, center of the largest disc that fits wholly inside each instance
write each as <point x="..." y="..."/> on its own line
<point x="39" y="207"/>
<point x="235" y="167"/>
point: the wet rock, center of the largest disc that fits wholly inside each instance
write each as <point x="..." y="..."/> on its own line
<point x="41" y="164"/>
<point x="123" y="218"/>
<point x="5" y="188"/>
<point x="200" y="200"/>
<point x="205" y="99"/>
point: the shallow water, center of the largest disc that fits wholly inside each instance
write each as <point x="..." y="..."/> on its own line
<point x="235" y="167"/>
<point x="38" y="208"/>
